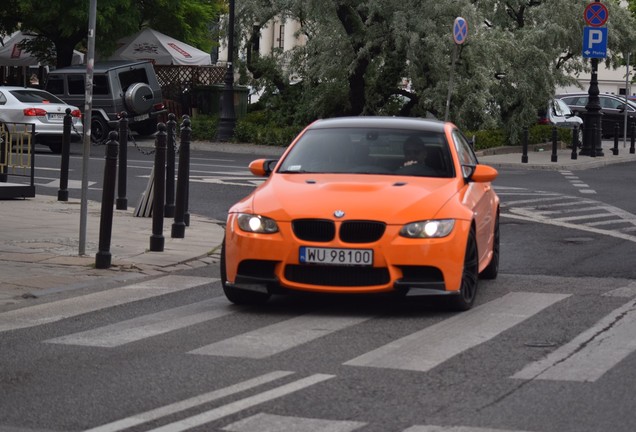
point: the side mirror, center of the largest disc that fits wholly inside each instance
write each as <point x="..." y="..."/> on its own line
<point x="481" y="173"/>
<point x="262" y="167"/>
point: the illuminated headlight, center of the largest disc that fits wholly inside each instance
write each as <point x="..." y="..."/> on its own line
<point x="257" y="224"/>
<point x="428" y="229"/>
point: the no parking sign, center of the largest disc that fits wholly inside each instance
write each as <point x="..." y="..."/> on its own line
<point x="460" y="30"/>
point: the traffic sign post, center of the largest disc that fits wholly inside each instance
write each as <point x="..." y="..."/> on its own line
<point x="595" y="42"/>
<point x="594" y="47"/>
<point x="460" y="34"/>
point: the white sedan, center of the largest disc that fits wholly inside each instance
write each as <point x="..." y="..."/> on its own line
<point x="21" y="107"/>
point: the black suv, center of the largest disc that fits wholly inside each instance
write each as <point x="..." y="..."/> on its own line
<point x="117" y="86"/>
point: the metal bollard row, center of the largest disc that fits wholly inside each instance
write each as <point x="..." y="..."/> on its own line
<point x="178" y="227"/>
<point x="62" y="193"/>
<point x="157" y="240"/>
<point x="103" y="256"/>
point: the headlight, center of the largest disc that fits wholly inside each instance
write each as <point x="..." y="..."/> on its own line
<point x="257" y="224"/>
<point x="428" y="229"/>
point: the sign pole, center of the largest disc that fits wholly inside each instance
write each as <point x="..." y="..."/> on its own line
<point x="594" y="47"/>
<point x="90" y="59"/>
<point x="626" y="101"/>
<point x="450" y="82"/>
<point x="460" y="32"/>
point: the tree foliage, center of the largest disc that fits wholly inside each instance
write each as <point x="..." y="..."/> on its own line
<point x="62" y="25"/>
<point x="358" y="52"/>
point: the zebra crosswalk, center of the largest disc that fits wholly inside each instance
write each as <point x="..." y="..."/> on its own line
<point x="583" y="359"/>
<point x="574" y="212"/>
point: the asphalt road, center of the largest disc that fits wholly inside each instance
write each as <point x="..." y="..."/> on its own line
<point x="548" y="348"/>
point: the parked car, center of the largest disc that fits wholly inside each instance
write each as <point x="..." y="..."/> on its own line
<point x="118" y="86"/>
<point x="355" y="206"/>
<point x="558" y="113"/>
<point x="612" y="110"/>
<point x="25" y="105"/>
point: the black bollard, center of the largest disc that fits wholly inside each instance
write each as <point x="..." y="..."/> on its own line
<point x="62" y="193"/>
<point x="103" y="256"/>
<point x="575" y="141"/>
<point x="122" y="201"/>
<point x="632" y="148"/>
<point x="3" y="158"/>
<point x="617" y="131"/>
<point x="183" y="178"/>
<point x="157" y="240"/>
<point x="555" y="135"/>
<point x="524" y="144"/>
<point x="170" y="161"/>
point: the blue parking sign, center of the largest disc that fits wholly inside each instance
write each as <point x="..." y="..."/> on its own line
<point x="594" y="42"/>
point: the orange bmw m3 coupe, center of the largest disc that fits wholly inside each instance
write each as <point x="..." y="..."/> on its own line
<point x="366" y="205"/>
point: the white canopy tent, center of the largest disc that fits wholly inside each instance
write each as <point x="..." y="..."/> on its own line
<point x="12" y="55"/>
<point x="159" y="48"/>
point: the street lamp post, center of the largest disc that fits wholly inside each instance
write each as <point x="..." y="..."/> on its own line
<point x="592" y="145"/>
<point x="227" y="121"/>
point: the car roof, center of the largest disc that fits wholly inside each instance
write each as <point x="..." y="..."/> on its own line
<point x="10" y="88"/>
<point x="381" y="122"/>
<point x="101" y="67"/>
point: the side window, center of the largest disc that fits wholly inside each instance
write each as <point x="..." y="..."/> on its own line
<point x="610" y="103"/>
<point x="465" y="152"/>
<point x="76" y="85"/>
<point x="55" y="85"/>
<point x="3" y="99"/>
<point x="100" y="85"/>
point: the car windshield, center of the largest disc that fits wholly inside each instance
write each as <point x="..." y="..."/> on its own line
<point x="30" y="96"/>
<point x="370" y="151"/>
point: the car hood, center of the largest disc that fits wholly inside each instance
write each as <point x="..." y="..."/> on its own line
<point x="394" y="199"/>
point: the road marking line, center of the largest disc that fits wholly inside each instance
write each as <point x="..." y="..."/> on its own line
<point x="242" y="404"/>
<point x="530" y="218"/>
<point x="279" y="337"/>
<point x="428" y="348"/>
<point x="186" y="404"/>
<point x="276" y="423"/>
<point x="58" y="310"/>
<point x="592" y="353"/>
<point x="146" y="326"/>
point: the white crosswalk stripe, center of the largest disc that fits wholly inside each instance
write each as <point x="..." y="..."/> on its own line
<point x="275" y="423"/>
<point x="578" y="213"/>
<point x="428" y="348"/>
<point x="58" y="310"/>
<point x="280" y="337"/>
<point x="595" y="351"/>
<point x="192" y="402"/>
<point x="149" y="325"/>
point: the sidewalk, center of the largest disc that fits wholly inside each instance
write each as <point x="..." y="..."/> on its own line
<point x="39" y="248"/>
<point x="39" y="241"/>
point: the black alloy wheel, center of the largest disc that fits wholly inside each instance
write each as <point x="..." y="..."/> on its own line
<point x="492" y="270"/>
<point x="470" y="277"/>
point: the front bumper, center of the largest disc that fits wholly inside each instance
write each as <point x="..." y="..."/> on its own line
<point x="269" y="262"/>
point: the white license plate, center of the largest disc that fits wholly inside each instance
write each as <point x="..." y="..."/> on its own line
<point x="335" y="256"/>
<point x="141" y="117"/>
<point x="56" y="116"/>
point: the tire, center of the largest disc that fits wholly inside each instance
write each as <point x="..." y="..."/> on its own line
<point x="55" y="147"/>
<point x="139" y="98"/>
<point x="236" y="295"/>
<point x="492" y="270"/>
<point x="99" y="129"/>
<point x="470" y="277"/>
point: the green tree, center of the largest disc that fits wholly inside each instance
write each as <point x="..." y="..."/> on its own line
<point x="62" y="25"/>
<point x="358" y="51"/>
